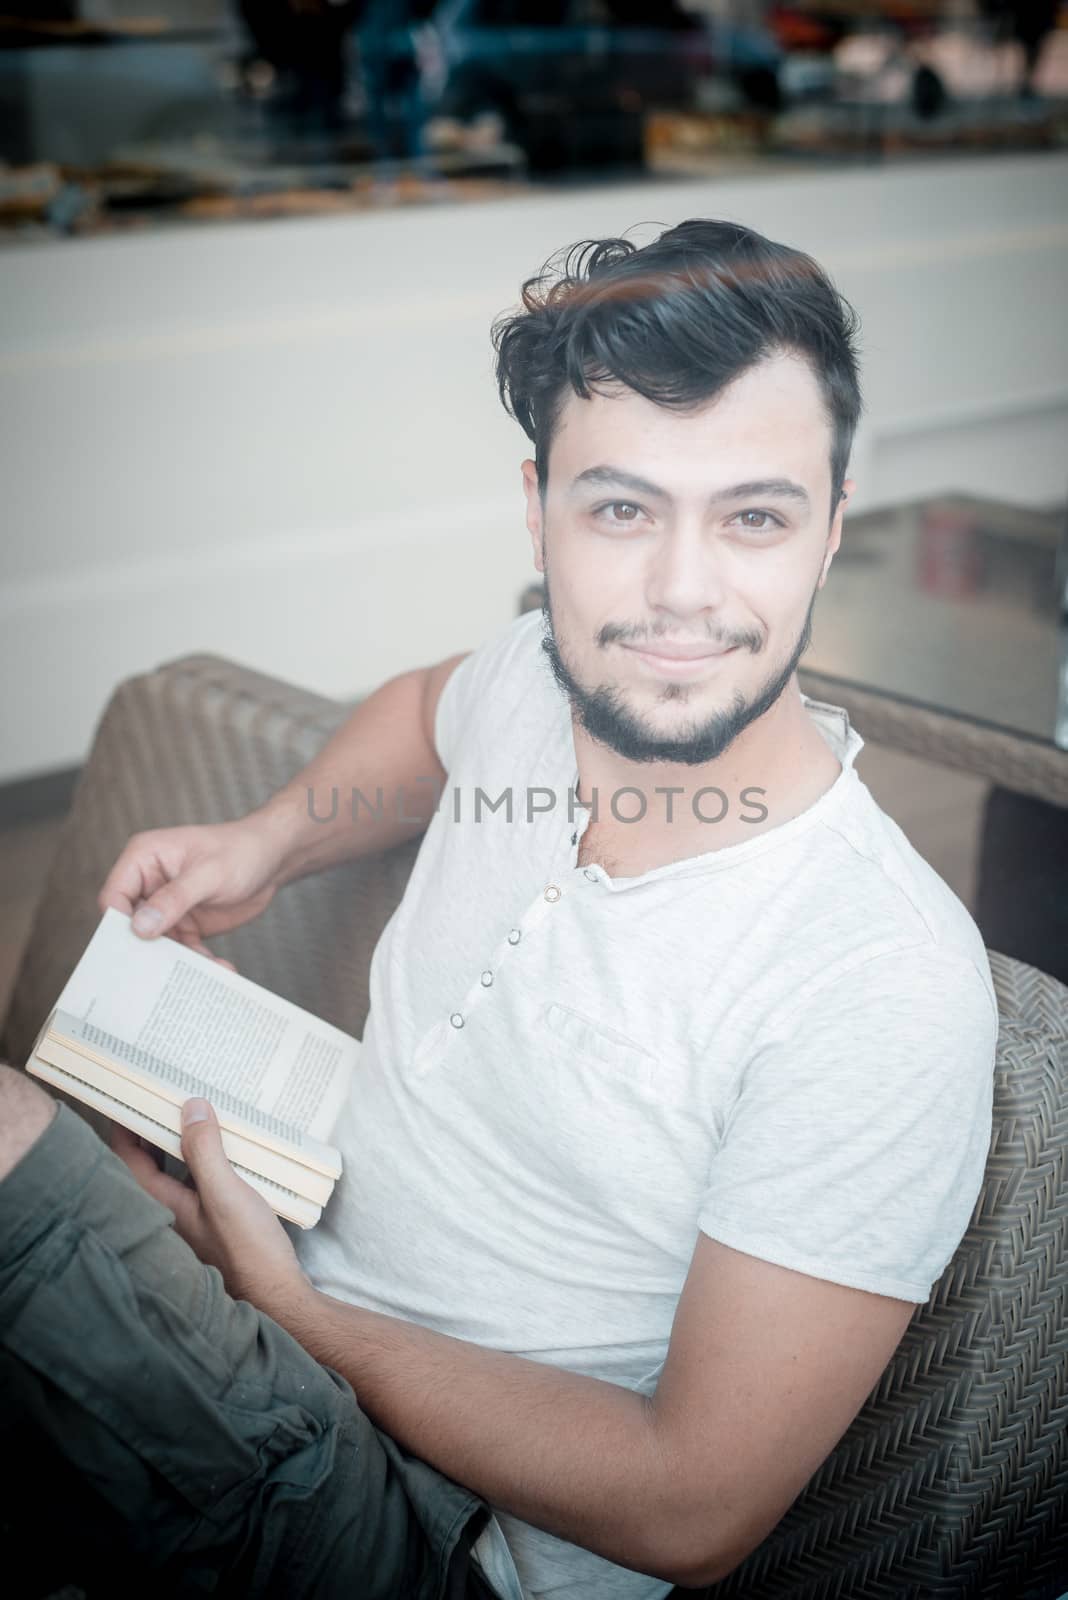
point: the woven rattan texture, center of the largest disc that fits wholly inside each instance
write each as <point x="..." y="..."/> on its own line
<point x="952" y="1480"/>
<point x="1027" y="766"/>
<point x="205" y="741"/>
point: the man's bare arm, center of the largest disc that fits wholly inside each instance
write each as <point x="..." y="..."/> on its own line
<point x="385" y="752"/>
<point x="766" y="1370"/>
<point x="198" y="880"/>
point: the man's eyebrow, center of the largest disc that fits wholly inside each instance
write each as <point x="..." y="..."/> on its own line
<point x="615" y="477"/>
<point x="756" y="489"/>
<point x="764" y="489"/>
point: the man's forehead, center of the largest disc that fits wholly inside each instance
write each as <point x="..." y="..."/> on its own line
<point x="770" y="423"/>
<point x="781" y="392"/>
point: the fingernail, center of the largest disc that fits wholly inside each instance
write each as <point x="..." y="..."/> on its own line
<point x="147" y="920"/>
<point x="195" y="1111"/>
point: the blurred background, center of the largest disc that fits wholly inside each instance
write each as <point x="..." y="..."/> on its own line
<point x="229" y="108"/>
<point x="218" y="108"/>
<point x="250" y="251"/>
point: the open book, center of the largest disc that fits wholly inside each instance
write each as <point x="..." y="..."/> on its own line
<point x="144" y="1024"/>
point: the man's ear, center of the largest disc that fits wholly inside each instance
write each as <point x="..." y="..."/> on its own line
<point x="834" y="537"/>
<point x="535" y="523"/>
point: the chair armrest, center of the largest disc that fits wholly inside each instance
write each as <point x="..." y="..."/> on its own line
<point x="202" y="739"/>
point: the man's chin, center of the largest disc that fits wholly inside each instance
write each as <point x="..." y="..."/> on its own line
<point x="662" y="739"/>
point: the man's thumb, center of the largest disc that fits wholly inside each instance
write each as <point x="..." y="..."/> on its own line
<point x="168" y="905"/>
<point x="202" y="1146"/>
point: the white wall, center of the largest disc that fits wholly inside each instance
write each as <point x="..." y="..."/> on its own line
<point x="281" y="441"/>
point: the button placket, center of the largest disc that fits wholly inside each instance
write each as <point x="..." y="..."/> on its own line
<point x="575" y="827"/>
<point x="550" y="896"/>
<point x="432" y="1048"/>
<point x="536" y="912"/>
<point x="473" y="998"/>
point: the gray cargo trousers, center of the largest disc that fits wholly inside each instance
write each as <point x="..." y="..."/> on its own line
<point x="157" y="1435"/>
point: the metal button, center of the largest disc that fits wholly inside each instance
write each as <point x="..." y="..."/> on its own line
<point x="574" y="837"/>
<point x="515" y="936"/>
<point x="487" y="979"/>
<point x="552" y="894"/>
<point x="457" y="1020"/>
<point x="588" y="872"/>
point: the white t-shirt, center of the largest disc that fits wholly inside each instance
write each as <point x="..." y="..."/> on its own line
<point x="786" y="1043"/>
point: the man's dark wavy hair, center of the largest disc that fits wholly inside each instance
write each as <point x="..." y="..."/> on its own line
<point x="675" y="320"/>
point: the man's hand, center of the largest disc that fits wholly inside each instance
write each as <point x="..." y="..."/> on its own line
<point x="227" y="1223"/>
<point x="194" y="882"/>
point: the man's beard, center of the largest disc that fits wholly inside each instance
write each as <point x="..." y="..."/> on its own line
<point x="607" y="719"/>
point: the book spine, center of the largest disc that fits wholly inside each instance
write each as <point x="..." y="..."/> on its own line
<point x="252" y="1160"/>
<point x="293" y="1207"/>
<point x="309" y="1154"/>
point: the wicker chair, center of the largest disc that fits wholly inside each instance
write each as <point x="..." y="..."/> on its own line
<point x="953" y="1480"/>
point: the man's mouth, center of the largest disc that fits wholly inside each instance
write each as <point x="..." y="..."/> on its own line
<point x="680" y="660"/>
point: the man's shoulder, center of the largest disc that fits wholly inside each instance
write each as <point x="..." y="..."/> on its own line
<point x="504" y="671"/>
<point x="494" y="692"/>
<point x="866" y="874"/>
<point x="892" y="893"/>
<point x="515" y="647"/>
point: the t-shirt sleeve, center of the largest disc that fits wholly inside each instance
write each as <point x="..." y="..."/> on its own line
<point x="855" y="1147"/>
<point x="454" y="708"/>
<point x="477" y="691"/>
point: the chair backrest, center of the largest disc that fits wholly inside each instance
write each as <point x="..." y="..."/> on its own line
<point x="951" y="1479"/>
<point x="204" y="740"/>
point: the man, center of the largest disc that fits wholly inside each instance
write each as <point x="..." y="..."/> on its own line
<point x="675" y="1090"/>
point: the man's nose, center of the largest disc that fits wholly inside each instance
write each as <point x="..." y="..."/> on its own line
<point x="686" y="573"/>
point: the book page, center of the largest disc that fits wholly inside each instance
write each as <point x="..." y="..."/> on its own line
<point x="179" y="1015"/>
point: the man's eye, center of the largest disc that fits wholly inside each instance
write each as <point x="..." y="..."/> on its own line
<point x="621" y="511"/>
<point x="758" y="521"/>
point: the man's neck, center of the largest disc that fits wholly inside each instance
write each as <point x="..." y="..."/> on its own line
<point x="777" y="768"/>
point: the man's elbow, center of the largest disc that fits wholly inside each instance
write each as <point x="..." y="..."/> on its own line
<point x="695" y="1576"/>
<point x="695" y="1538"/>
<point x="694" y="1559"/>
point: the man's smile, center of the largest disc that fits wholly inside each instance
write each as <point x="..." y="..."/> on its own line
<point x="680" y="661"/>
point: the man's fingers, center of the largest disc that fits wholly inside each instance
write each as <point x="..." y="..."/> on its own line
<point x="142" y="887"/>
<point x="160" y="1185"/>
<point x="168" y="905"/>
<point x="203" y="1152"/>
<point x="116" y="900"/>
<point x="133" y="877"/>
<point x="127" y="1147"/>
<point x="143" y="1163"/>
